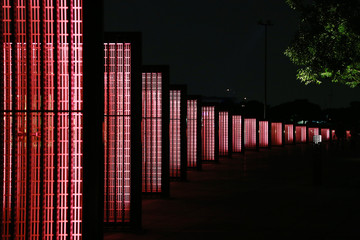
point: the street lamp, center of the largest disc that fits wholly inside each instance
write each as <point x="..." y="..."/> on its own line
<point x="266" y="25"/>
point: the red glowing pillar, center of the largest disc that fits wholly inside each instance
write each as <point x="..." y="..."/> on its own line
<point x="122" y="78"/>
<point x="237" y="134"/>
<point x="276" y="134"/>
<point x="289" y="134"/>
<point x="333" y="135"/>
<point x="224" y="133"/>
<point x="155" y="130"/>
<point x="300" y="134"/>
<point x="193" y="132"/>
<point x="49" y="151"/>
<point x="312" y="132"/>
<point x="177" y="133"/>
<point x="348" y="135"/>
<point x="263" y="134"/>
<point x="209" y="133"/>
<point x="250" y="131"/>
<point x="325" y="134"/>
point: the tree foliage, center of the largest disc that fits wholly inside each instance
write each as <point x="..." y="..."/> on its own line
<point x="327" y="43"/>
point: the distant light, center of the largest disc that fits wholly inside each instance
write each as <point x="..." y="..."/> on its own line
<point x="228" y="89"/>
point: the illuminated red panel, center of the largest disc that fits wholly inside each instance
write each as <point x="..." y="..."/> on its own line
<point x="333" y="135"/>
<point x="191" y="133"/>
<point x="312" y="132"/>
<point x="43" y="115"/>
<point x="300" y="134"/>
<point x="325" y="134"/>
<point x="276" y="134"/>
<point x="250" y="133"/>
<point x="237" y="133"/>
<point x="348" y="135"/>
<point x="263" y="133"/>
<point x="175" y="141"/>
<point x="117" y="132"/>
<point x="289" y="133"/>
<point x="151" y="128"/>
<point x="208" y="133"/>
<point x="223" y="133"/>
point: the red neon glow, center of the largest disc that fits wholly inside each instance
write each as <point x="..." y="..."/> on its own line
<point x="325" y="134"/>
<point x="175" y="134"/>
<point x="237" y="133"/>
<point x="151" y="132"/>
<point x="250" y="133"/>
<point x="191" y="133"/>
<point x="348" y="135"/>
<point x="208" y="133"/>
<point x="312" y="132"/>
<point x="300" y="134"/>
<point x="289" y="133"/>
<point x="117" y="132"/>
<point x="276" y="134"/>
<point x="263" y="133"/>
<point x="43" y="125"/>
<point x="223" y="133"/>
<point x="333" y="135"/>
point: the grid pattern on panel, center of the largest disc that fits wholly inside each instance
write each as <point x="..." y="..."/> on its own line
<point x="43" y="115"/>
<point x="223" y="133"/>
<point x="250" y="133"/>
<point x="175" y="134"/>
<point x="151" y="132"/>
<point x="237" y="133"/>
<point x="325" y="134"/>
<point x="117" y="132"/>
<point x="191" y="133"/>
<point x="289" y="133"/>
<point x="300" y="134"/>
<point x="312" y="132"/>
<point x="276" y="134"/>
<point x="208" y="133"/>
<point x="263" y="133"/>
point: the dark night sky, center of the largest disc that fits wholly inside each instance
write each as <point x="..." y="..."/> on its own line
<point x="212" y="45"/>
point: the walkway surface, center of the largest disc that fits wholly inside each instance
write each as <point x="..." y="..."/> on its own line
<point x="260" y="195"/>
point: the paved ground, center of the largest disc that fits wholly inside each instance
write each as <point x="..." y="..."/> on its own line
<point x="260" y="195"/>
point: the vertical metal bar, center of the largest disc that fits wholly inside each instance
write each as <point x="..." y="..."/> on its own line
<point x="2" y="114"/>
<point x="71" y="79"/>
<point x="108" y="136"/>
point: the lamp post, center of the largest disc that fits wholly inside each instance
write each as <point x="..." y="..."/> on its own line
<point x="266" y="25"/>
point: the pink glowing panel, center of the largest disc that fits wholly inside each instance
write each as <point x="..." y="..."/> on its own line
<point x="348" y="135"/>
<point x="333" y="135"/>
<point x="289" y="133"/>
<point x="300" y="134"/>
<point x="223" y="133"/>
<point x="325" y="134"/>
<point x="263" y="133"/>
<point x="312" y="132"/>
<point x="151" y="132"/>
<point x="276" y="134"/>
<point x="250" y="133"/>
<point x="175" y="141"/>
<point x="42" y="130"/>
<point x="237" y="133"/>
<point x="191" y="133"/>
<point x="117" y="132"/>
<point x="208" y="133"/>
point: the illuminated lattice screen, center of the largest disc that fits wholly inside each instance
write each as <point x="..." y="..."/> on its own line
<point x="117" y="132"/>
<point x="192" y="133"/>
<point x="312" y="132"/>
<point x="42" y="129"/>
<point x="250" y="133"/>
<point x="208" y="133"/>
<point x="151" y="132"/>
<point x="276" y="134"/>
<point x="300" y="134"/>
<point x="175" y="133"/>
<point x="333" y="135"/>
<point x="263" y="133"/>
<point x="289" y="133"/>
<point x="237" y="133"/>
<point x="348" y="135"/>
<point x="325" y="134"/>
<point x="223" y="133"/>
